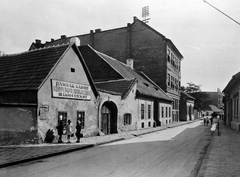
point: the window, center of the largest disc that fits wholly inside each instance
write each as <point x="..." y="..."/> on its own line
<point x="142" y="111"/>
<point x="127" y="119"/>
<point x="149" y="124"/>
<point x="166" y="111"/>
<point x="63" y="116"/>
<point x="149" y="111"/>
<point x="169" y="111"/>
<point x="162" y="112"/>
<point x="168" y="80"/>
<point x="73" y="70"/>
<point x="81" y="117"/>
<point x="142" y="125"/>
<point x="168" y="55"/>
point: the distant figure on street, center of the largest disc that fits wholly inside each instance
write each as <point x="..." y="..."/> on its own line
<point x="60" y="131"/>
<point x="204" y="120"/>
<point x="207" y="121"/>
<point x="78" y="131"/>
<point x="211" y="119"/>
<point x="69" y="130"/>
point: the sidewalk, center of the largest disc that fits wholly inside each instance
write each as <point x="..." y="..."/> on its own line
<point x="223" y="154"/>
<point x="12" y="155"/>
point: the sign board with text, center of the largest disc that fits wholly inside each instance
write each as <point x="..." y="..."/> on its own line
<point x="70" y="90"/>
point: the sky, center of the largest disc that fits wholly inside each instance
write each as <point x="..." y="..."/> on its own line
<point x="208" y="40"/>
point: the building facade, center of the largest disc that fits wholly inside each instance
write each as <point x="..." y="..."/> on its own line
<point x="153" y="53"/>
<point x="186" y="107"/>
<point x="231" y="103"/>
<point x="43" y="86"/>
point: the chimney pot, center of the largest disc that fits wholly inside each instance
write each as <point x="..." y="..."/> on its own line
<point x="134" y="19"/>
<point x="130" y="62"/>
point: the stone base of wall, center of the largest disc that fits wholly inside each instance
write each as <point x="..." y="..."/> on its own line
<point x="235" y="126"/>
<point x="18" y="137"/>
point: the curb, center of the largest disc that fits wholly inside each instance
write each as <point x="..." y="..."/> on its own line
<point x="87" y="146"/>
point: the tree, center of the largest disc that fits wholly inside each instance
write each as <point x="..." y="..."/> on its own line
<point x="202" y="99"/>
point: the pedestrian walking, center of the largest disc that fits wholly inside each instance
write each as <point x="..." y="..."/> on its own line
<point x="78" y="131"/>
<point x="69" y="130"/>
<point x="204" y="120"/>
<point x="211" y="120"/>
<point x="60" y="131"/>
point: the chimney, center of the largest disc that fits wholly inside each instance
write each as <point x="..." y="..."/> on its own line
<point x="52" y="39"/>
<point x="2" y="53"/>
<point x="130" y="62"/>
<point x="63" y="36"/>
<point x="38" y="41"/>
<point x="135" y="19"/>
<point x="98" y="30"/>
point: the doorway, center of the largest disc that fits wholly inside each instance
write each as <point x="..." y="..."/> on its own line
<point x="109" y="118"/>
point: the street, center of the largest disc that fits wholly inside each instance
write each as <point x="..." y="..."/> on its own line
<point x="172" y="152"/>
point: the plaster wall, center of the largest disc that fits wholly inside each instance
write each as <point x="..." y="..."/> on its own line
<point x="146" y="121"/>
<point x="165" y="118"/>
<point x="48" y="117"/>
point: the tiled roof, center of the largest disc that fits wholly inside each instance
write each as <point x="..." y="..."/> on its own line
<point x="235" y="80"/>
<point x="118" y="86"/>
<point x="114" y="66"/>
<point x="26" y="71"/>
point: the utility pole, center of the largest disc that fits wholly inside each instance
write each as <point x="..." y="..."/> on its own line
<point x="222" y="12"/>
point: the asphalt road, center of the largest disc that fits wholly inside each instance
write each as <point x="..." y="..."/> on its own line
<point x="172" y="152"/>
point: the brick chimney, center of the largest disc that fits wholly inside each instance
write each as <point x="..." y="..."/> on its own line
<point x="37" y="41"/>
<point x="63" y="36"/>
<point x="130" y="62"/>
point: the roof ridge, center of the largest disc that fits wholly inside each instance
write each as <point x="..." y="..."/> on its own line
<point x="29" y="51"/>
<point x="117" y="80"/>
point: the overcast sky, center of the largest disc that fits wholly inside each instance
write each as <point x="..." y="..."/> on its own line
<point x="208" y="40"/>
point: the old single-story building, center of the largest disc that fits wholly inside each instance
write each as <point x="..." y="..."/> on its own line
<point x="140" y="102"/>
<point x="231" y="103"/>
<point x="38" y="87"/>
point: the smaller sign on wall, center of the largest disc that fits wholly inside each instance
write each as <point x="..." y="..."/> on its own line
<point x="44" y="109"/>
<point x="70" y="90"/>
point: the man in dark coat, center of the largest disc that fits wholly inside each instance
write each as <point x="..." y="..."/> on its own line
<point x="78" y="131"/>
<point x="60" y="131"/>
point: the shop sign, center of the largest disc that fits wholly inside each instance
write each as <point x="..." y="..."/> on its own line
<point x="70" y="90"/>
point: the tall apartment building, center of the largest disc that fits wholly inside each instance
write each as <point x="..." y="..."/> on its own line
<point x="152" y="52"/>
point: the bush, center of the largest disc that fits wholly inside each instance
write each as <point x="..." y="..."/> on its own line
<point x="49" y="136"/>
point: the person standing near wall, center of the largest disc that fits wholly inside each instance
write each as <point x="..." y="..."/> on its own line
<point x="69" y="130"/>
<point x="60" y="131"/>
<point x="78" y="131"/>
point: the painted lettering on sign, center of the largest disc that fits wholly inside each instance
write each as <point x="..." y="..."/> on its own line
<point x="63" y="89"/>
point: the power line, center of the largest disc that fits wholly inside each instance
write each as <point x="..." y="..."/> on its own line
<point x="222" y="12"/>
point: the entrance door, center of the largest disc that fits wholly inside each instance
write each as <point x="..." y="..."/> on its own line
<point x="105" y="123"/>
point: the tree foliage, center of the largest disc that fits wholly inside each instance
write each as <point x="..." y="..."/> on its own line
<point x="202" y="99"/>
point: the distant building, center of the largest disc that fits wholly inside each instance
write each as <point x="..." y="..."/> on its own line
<point x="231" y="106"/>
<point x="186" y="107"/>
<point x="153" y="53"/>
<point x="217" y="98"/>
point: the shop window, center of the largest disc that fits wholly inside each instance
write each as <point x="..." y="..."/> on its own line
<point x="81" y="117"/>
<point x="127" y="119"/>
<point x="149" y="111"/>
<point x="62" y="115"/>
<point x="142" y="111"/>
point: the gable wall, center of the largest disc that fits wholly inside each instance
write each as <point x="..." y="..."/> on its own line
<point x="48" y="119"/>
